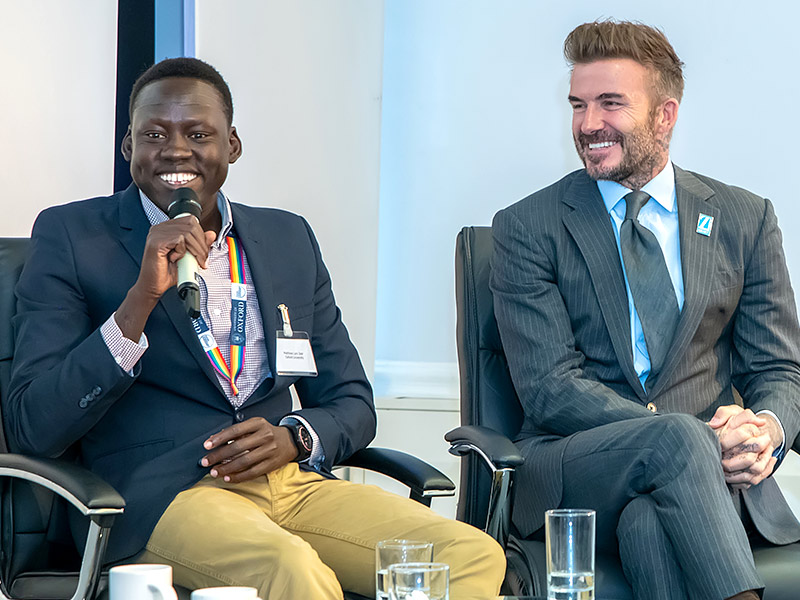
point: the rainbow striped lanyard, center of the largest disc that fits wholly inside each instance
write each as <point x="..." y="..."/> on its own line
<point x="238" y="319"/>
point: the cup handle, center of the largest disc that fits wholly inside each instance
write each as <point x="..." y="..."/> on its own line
<point x="162" y="592"/>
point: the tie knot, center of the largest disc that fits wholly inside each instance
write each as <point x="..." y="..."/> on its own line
<point x="634" y="202"/>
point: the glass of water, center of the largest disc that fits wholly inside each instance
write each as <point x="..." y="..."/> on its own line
<point x="419" y="581"/>
<point x="390" y="552"/>
<point x="570" y="554"/>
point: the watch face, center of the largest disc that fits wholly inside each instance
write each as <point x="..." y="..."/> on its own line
<point x="304" y="437"/>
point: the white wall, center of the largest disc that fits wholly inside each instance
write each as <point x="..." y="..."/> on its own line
<point x="57" y="116"/>
<point x="475" y="117"/>
<point x="306" y="83"/>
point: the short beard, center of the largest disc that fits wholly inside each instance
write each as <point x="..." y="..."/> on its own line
<point x="642" y="155"/>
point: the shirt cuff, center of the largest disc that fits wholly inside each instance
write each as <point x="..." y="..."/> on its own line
<point x="126" y="352"/>
<point x="317" y="452"/>
<point x="779" y="450"/>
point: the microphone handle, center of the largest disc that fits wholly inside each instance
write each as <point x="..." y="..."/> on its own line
<point x="189" y="292"/>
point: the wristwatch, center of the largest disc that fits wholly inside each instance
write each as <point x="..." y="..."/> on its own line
<point x="302" y="439"/>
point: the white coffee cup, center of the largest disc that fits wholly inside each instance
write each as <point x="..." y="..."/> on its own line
<point x="141" y="582"/>
<point x="226" y="593"/>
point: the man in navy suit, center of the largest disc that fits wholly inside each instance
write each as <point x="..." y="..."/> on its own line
<point x="191" y="420"/>
<point x="671" y="432"/>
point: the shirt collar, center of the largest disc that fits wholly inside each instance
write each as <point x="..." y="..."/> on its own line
<point x="155" y="215"/>
<point x="661" y="188"/>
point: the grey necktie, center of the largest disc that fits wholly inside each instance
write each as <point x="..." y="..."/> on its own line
<point x="651" y="287"/>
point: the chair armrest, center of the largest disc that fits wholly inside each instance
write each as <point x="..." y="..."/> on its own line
<point x="90" y="494"/>
<point x="87" y="492"/>
<point x="497" y="450"/>
<point x="424" y="480"/>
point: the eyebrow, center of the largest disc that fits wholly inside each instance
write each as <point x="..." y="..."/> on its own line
<point x="191" y="122"/>
<point x="604" y="96"/>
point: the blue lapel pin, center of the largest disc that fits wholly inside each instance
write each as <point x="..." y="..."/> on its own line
<point x="704" y="224"/>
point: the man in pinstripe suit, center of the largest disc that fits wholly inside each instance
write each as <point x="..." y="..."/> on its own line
<point x="676" y="460"/>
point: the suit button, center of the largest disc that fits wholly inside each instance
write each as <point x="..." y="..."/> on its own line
<point x="83" y="403"/>
<point x="652" y="407"/>
<point x="239" y="416"/>
<point x="96" y="390"/>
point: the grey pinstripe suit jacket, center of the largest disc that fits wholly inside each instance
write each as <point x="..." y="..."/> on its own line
<point x="562" y="311"/>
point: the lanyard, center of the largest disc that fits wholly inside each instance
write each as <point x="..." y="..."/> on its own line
<point x="238" y="318"/>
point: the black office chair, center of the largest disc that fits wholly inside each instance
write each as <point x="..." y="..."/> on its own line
<point x="491" y="416"/>
<point x="38" y="559"/>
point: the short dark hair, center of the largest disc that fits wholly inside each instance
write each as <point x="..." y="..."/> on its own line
<point x="192" y="68"/>
<point x="646" y="45"/>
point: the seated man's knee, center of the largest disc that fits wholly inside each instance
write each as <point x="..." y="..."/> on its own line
<point x="684" y="436"/>
<point x="295" y="566"/>
<point x="478" y="562"/>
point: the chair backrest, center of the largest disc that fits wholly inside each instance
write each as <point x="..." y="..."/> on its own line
<point x="13" y="252"/>
<point x="27" y="525"/>
<point x="488" y="397"/>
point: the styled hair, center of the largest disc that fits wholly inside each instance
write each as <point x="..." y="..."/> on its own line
<point x="646" y="45"/>
<point x="191" y="68"/>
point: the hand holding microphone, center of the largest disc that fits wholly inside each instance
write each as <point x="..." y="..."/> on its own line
<point x="185" y="203"/>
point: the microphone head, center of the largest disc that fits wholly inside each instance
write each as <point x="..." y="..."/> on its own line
<point x="184" y="202"/>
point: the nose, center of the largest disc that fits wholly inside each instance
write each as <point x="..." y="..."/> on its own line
<point x="177" y="147"/>
<point x="592" y="119"/>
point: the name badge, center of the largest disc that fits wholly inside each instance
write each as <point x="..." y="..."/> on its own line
<point x="294" y="355"/>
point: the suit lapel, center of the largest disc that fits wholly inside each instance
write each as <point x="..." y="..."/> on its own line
<point x="591" y="228"/>
<point x="134" y="227"/>
<point x="698" y="254"/>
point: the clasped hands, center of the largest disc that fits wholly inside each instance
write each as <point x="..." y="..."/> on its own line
<point x="247" y="450"/>
<point x="747" y="441"/>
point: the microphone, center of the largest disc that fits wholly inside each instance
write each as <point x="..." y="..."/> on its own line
<point x="184" y="203"/>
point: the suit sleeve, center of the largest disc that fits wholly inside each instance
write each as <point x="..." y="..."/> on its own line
<point x="63" y="376"/>
<point x="766" y="336"/>
<point x="536" y="331"/>
<point x="338" y="402"/>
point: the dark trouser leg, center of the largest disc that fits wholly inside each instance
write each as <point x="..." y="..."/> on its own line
<point x="675" y="461"/>
<point x="647" y="556"/>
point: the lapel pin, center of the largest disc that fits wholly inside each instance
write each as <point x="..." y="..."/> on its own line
<point x="704" y="224"/>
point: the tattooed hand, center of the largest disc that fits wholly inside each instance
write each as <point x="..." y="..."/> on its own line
<point x="747" y="441"/>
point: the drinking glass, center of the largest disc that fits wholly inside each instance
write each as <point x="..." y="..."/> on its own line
<point x="419" y="581"/>
<point x="389" y="552"/>
<point x="569" y="537"/>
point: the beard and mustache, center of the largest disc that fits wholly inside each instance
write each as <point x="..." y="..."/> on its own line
<point x="642" y="154"/>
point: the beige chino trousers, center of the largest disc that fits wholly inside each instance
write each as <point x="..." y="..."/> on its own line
<point x="295" y="534"/>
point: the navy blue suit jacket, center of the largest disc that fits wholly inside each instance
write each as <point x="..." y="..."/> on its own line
<point x="144" y="433"/>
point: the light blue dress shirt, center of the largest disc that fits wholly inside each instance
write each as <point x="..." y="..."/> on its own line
<point x="661" y="217"/>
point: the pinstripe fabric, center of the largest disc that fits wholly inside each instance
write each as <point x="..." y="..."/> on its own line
<point x="647" y="555"/>
<point x="672" y="461"/>
<point x="562" y="313"/>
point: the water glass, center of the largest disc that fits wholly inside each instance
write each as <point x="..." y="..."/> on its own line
<point x="570" y="554"/>
<point x="419" y="581"/>
<point x="389" y="552"/>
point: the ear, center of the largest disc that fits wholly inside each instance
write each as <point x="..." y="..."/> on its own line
<point x="668" y="115"/>
<point x="235" y="146"/>
<point x="127" y="145"/>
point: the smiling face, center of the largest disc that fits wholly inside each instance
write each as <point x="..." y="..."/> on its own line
<point x="619" y="132"/>
<point x="180" y="137"/>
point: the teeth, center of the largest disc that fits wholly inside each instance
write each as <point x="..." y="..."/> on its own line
<point x="601" y="145"/>
<point x="177" y="178"/>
